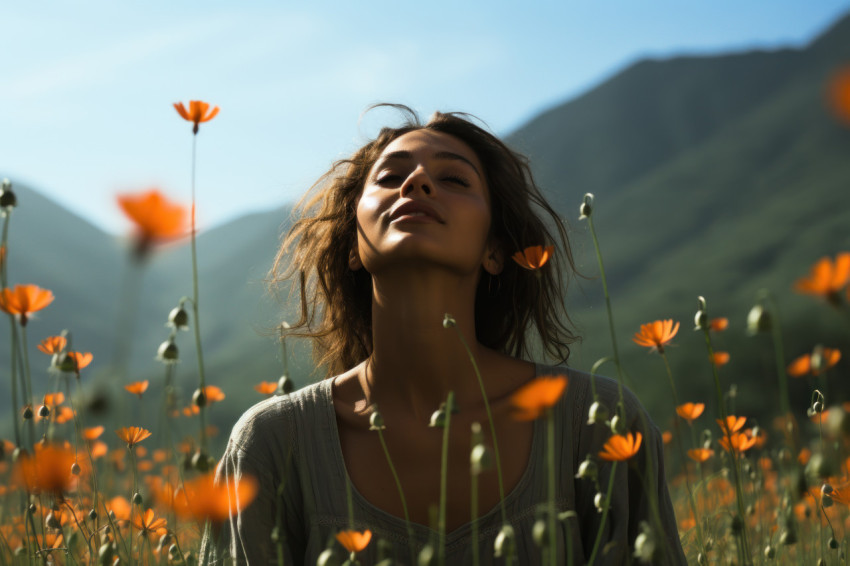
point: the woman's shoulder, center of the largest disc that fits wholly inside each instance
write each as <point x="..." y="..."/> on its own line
<point x="277" y="419"/>
<point x="583" y="387"/>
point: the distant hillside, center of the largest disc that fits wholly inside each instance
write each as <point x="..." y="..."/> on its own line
<point x="714" y="176"/>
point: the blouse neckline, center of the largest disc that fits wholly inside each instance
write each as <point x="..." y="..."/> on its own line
<point x="424" y="532"/>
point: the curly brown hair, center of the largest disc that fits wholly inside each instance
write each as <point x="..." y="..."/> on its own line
<point x="336" y="302"/>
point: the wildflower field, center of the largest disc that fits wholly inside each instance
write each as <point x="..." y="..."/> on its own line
<point x="76" y="488"/>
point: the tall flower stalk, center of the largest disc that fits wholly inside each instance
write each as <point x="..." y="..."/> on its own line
<point x="197" y="112"/>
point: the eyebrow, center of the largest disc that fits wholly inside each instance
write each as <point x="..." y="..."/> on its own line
<point x="402" y="154"/>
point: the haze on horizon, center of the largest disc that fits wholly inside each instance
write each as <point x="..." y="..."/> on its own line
<point x="85" y="99"/>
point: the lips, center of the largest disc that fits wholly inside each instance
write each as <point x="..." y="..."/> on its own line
<point x="415" y="209"/>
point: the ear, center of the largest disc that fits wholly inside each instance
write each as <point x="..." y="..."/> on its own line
<point x="493" y="259"/>
<point x="354" y="262"/>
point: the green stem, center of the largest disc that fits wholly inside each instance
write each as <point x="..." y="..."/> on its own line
<point x="492" y="426"/>
<point x="197" y="325"/>
<point x="15" y="412"/>
<point x="444" y="473"/>
<point x="27" y="380"/>
<point x="608" y="308"/>
<point x="407" y="524"/>
<point x="604" y="514"/>
<point x="476" y="550"/>
<point x="739" y="492"/>
<point x="779" y="353"/>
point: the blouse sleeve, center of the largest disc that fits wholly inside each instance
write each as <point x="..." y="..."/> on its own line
<point x="639" y="496"/>
<point x="261" y="449"/>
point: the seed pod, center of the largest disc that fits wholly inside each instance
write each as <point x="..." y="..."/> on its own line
<point x="769" y="552"/>
<point x="598" y="413"/>
<point x="586" y="208"/>
<point x="758" y="320"/>
<point x="167" y="352"/>
<point x="285" y="385"/>
<point x="480" y="459"/>
<point x="199" y="398"/>
<point x="449" y="321"/>
<point x="587" y="469"/>
<point x="44" y="411"/>
<point x="137" y="498"/>
<point x="427" y="556"/>
<point x="505" y="544"/>
<point x="8" y="200"/>
<point x="376" y="421"/>
<point x="92" y="515"/>
<point x="178" y="318"/>
<point x="75" y="469"/>
<point x="540" y="533"/>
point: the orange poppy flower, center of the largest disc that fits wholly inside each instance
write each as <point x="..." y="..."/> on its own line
<point x="700" y="454"/>
<point x="99" y="450"/>
<point x="120" y="507"/>
<point x="826" y="278"/>
<point x="266" y="387"/>
<point x="739" y="441"/>
<point x="132" y="435"/>
<point x="191" y="410"/>
<point x="48" y="469"/>
<point x="354" y="541"/>
<point x="213" y="394"/>
<point x="24" y="300"/>
<point x="149" y="524"/>
<point x="720" y="358"/>
<point x="538" y="395"/>
<point x="619" y="447"/>
<point x="533" y="257"/>
<point x="155" y="217"/>
<point x="732" y="423"/>
<point x="666" y="437"/>
<point x="814" y="363"/>
<point x="137" y="387"/>
<point x="92" y="433"/>
<point x="656" y="335"/>
<point x="839" y="94"/>
<point x="718" y="324"/>
<point x="52" y="344"/>
<point x="53" y="399"/>
<point x="81" y="359"/>
<point x="198" y="112"/>
<point x="204" y="498"/>
<point x="64" y="415"/>
<point x="690" y="411"/>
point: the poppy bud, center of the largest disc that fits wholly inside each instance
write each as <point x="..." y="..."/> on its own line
<point x="52" y="522"/>
<point x="505" y="542"/>
<point x="769" y="552"/>
<point x="104" y="554"/>
<point x="788" y="537"/>
<point x="826" y="501"/>
<point x="189" y="558"/>
<point x="427" y="556"/>
<point x="586" y="208"/>
<point x="167" y="352"/>
<point x="199" y="398"/>
<point x="645" y="543"/>
<point x="285" y="385"/>
<point x="701" y="559"/>
<point x="275" y="535"/>
<point x="598" y="413"/>
<point x="817" y="407"/>
<point x="480" y="459"/>
<point x="817" y="360"/>
<point x="758" y="320"/>
<point x="75" y="469"/>
<point x="43" y="411"/>
<point x="832" y="543"/>
<point x="8" y="199"/>
<point x="137" y="498"/>
<point x="63" y="362"/>
<point x="178" y="318"/>
<point x="438" y="417"/>
<point x="200" y="461"/>
<point x="599" y="501"/>
<point x="540" y="533"/>
<point x="376" y="421"/>
<point x="92" y="515"/>
<point x="449" y="321"/>
<point x="826" y="489"/>
<point x="173" y="551"/>
<point x="700" y="320"/>
<point x="27" y="413"/>
<point x="618" y="425"/>
<point x="587" y="469"/>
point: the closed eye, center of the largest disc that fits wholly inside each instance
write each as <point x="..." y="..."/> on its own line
<point x="388" y="180"/>
<point x="456" y="180"/>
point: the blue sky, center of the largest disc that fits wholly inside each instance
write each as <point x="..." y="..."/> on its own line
<point x="86" y="87"/>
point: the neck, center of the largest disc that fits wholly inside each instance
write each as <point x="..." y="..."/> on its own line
<point x="415" y="361"/>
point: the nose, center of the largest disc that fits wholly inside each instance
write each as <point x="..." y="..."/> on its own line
<point x="417" y="180"/>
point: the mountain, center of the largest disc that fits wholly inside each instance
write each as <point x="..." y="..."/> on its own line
<point x="714" y="176"/>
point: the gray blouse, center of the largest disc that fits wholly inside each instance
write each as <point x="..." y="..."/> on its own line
<point x="290" y="444"/>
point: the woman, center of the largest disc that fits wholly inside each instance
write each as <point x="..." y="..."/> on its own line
<point x="420" y="222"/>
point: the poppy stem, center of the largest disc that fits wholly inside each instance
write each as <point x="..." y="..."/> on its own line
<point x="608" y="308"/>
<point x="28" y="382"/>
<point x="197" y="325"/>
<point x="14" y="398"/>
<point x="491" y="423"/>
<point x="400" y="494"/>
<point x="604" y="514"/>
<point x="551" y="541"/>
<point x="473" y="511"/>
<point x="444" y="472"/>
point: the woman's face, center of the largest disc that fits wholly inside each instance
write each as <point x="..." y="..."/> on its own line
<point x="425" y="201"/>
